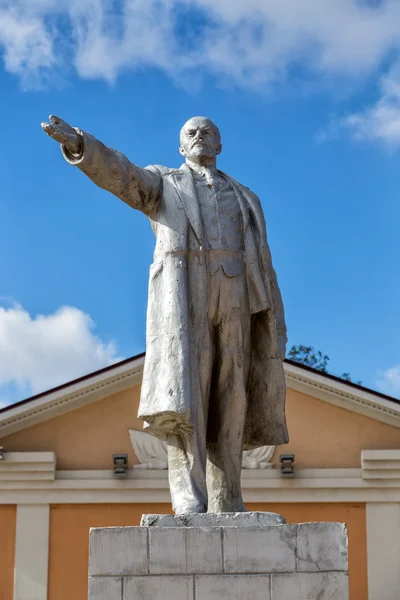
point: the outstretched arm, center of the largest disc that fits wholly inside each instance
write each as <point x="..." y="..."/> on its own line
<point x="107" y="168"/>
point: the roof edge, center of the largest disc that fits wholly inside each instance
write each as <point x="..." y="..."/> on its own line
<point x="126" y="361"/>
<point x="68" y="384"/>
<point x="120" y="375"/>
<point x="351" y="384"/>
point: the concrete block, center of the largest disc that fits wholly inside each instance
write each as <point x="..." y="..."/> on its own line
<point x="185" y="550"/>
<point x="105" y="588"/>
<point x="204" y="550"/>
<point x="217" y="563"/>
<point x="310" y="586"/>
<point x="322" y="547"/>
<point x="163" y="587"/>
<point x="232" y="587"/>
<point x="240" y="519"/>
<point x="260" y="549"/>
<point x="118" y="551"/>
<point x="167" y="550"/>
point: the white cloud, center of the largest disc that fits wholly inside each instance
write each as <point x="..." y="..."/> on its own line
<point x="379" y="122"/>
<point x="41" y="352"/>
<point x="27" y="45"/>
<point x="389" y="381"/>
<point x="250" y="42"/>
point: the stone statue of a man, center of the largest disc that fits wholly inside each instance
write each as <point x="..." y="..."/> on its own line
<point x="213" y="381"/>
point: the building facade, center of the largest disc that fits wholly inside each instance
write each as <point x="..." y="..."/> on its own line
<point x="57" y="477"/>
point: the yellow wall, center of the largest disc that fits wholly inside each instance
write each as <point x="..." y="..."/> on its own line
<point x="69" y="541"/>
<point x="326" y="436"/>
<point x="321" y="435"/>
<point x="7" y="551"/>
<point x="70" y="524"/>
<point x="85" y="438"/>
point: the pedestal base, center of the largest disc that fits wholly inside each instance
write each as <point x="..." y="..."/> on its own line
<point x="239" y="519"/>
<point x="228" y="561"/>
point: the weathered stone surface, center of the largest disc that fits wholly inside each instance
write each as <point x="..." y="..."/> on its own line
<point x="239" y="519"/>
<point x="260" y="549"/>
<point x="208" y="267"/>
<point x="195" y="550"/>
<point x="246" y="563"/>
<point x="155" y="587"/>
<point x="322" y="547"/>
<point x="310" y="586"/>
<point x="118" y="551"/>
<point x="167" y="550"/>
<point x="204" y="550"/>
<point x="232" y="587"/>
<point x="105" y="588"/>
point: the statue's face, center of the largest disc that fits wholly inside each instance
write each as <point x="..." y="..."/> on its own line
<point x="200" y="140"/>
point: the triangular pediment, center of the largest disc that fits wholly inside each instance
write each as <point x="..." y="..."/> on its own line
<point x="121" y="376"/>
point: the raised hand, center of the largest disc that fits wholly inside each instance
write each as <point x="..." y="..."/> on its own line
<point x="63" y="133"/>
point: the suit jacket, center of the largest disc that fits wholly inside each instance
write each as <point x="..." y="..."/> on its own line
<point x="177" y="325"/>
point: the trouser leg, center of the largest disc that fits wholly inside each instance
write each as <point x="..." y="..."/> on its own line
<point x="187" y="454"/>
<point x="228" y="401"/>
<point x="186" y="473"/>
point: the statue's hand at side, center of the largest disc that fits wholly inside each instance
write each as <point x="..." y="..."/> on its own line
<point x="63" y="133"/>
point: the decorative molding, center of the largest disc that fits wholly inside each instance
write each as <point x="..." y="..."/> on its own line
<point x="381" y="464"/>
<point x="70" y="397"/>
<point x="341" y="394"/>
<point x="259" y="485"/>
<point x="27" y="467"/>
<point x="259" y="458"/>
<point x="152" y="453"/>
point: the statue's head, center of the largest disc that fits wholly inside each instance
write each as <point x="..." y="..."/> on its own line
<point x="200" y="140"/>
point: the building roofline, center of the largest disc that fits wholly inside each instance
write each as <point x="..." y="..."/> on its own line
<point x="66" y="385"/>
<point x="356" y="386"/>
<point x="126" y="361"/>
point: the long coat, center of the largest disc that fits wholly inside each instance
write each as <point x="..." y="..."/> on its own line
<point x="177" y="325"/>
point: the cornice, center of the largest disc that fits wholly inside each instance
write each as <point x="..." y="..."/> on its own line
<point x="340" y="394"/>
<point x="259" y="485"/>
<point x="27" y="468"/>
<point x="381" y="465"/>
<point x="69" y="398"/>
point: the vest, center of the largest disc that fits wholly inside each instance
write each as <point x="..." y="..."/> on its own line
<point x="222" y="222"/>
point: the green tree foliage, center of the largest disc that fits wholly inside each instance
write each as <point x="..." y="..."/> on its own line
<point x="306" y="355"/>
<point x="345" y="376"/>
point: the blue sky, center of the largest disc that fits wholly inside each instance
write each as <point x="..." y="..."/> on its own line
<point x="308" y="103"/>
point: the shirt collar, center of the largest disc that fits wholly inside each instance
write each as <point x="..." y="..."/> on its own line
<point x="206" y="172"/>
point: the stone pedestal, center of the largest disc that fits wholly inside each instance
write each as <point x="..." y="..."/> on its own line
<point x="217" y="562"/>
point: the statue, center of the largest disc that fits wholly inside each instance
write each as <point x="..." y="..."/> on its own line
<point x="213" y="381"/>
